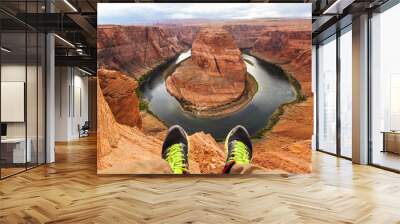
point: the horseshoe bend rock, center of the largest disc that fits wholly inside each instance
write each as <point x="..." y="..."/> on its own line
<point x="214" y="76"/>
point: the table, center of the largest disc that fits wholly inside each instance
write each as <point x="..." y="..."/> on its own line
<point x="13" y="150"/>
<point x="391" y="141"/>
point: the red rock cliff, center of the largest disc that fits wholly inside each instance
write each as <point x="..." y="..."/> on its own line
<point x="135" y="50"/>
<point x="119" y="92"/>
<point x="215" y="74"/>
<point x="281" y="46"/>
<point x="245" y="35"/>
<point x="288" y="146"/>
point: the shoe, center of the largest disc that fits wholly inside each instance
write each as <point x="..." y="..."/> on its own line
<point x="175" y="150"/>
<point x="238" y="148"/>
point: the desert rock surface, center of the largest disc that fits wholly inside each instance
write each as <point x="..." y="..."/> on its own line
<point x="123" y="149"/>
<point x="288" y="145"/>
<point x="215" y="75"/>
<point x="136" y="50"/>
<point x="119" y="92"/>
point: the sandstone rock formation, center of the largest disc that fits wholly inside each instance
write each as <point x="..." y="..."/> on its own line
<point x="207" y="153"/>
<point x="281" y="46"/>
<point x="153" y="126"/>
<point x="291" y="50"/>
<point x="245" y="35"/>
<point x="185" y="34"/>
<point x="122" y="149"/>
<point x="215" y="75"/>
<point x="119" y="92"/>
<point x="288" y="146"/>
<point x="135" y="50"/>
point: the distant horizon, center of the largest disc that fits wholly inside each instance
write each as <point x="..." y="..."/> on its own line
<point x="173" y="21"/>
<point x="156" y="13"/>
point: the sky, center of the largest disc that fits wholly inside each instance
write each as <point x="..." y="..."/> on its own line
<point x="138" y="13"/>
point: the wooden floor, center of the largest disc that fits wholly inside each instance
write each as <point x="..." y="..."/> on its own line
<point x="69" y="191"/>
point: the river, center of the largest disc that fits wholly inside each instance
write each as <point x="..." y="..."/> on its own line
<point x="273" y="90"/>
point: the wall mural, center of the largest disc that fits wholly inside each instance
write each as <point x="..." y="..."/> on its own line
<point x="189" y="88"/>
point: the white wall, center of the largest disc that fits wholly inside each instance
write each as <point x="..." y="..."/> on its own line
<point x="14" y="73"/>
<point x="80" y="111"/>
<point x="33" y="126"/>
<point x="61" y="103"/>
<point x="71" y="102"/>
<point x="9" y="73"/>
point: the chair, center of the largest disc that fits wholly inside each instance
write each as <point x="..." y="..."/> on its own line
<point x="84" y="130"/>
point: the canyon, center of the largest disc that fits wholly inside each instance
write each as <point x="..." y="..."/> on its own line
<point x="129" y="145"/>
<point x="136" y="50"/>
<point x="214" y="75"/>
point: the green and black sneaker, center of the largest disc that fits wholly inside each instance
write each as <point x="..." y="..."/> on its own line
<point x="238" y="148"/>
<point x="175" y="150"/>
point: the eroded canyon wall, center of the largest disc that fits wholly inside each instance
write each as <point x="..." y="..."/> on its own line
<point x="119" y="92"/>
<point x="135" y="50"/>
<point x="290" y="137"/>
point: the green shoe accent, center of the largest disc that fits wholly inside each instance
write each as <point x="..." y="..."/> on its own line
<point x="175" y="150"/>
<point x="238" y="148"/>
<point x="239" y="154"/>
<point x="176" y="159"/>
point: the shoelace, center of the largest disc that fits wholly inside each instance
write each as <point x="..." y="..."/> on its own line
<point x="176" y="159"/>
<point x="239" y="154"/>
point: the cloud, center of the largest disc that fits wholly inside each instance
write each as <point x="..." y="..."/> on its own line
<point x="131" y="13"/>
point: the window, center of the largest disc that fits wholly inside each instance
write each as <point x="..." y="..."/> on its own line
<point x="22" y="88"/>
<point x="346" y="92"/>
<point x="327" y="95"/>
<point x="385" y="89"/>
